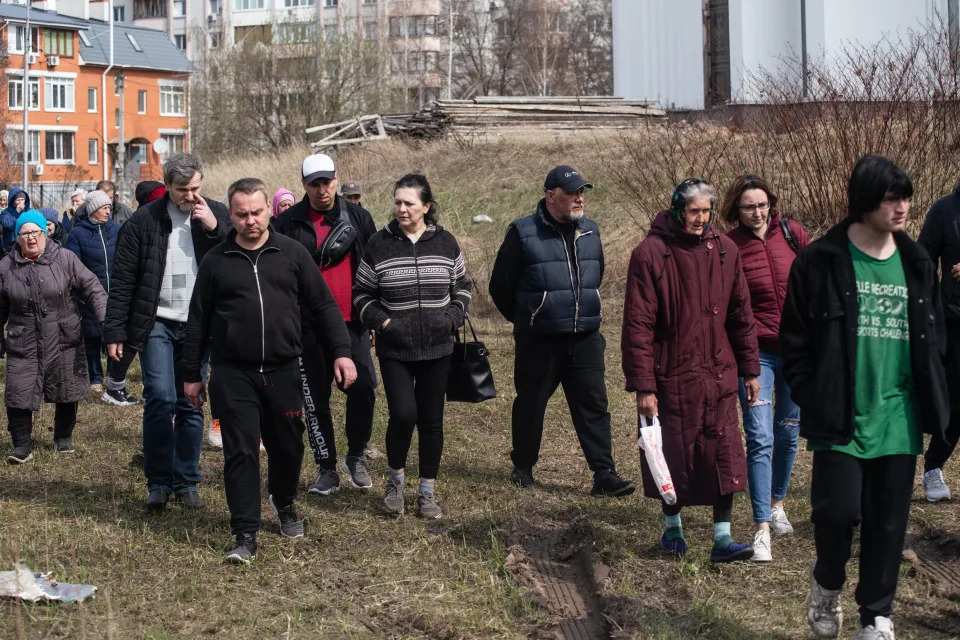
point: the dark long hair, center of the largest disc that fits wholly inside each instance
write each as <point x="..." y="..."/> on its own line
<point x="872" y="179"/>
<point x="730" y="211"/>
<point x="419" y="182"/>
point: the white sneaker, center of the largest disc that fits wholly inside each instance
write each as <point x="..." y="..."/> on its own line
<point x="881" y="629"/>
<point x="823" y="609"/>
<point x="761" y="546"/>
<point x="778" y="521"/>
<point x="934" y="486"/>
<point x="213" y="435"/>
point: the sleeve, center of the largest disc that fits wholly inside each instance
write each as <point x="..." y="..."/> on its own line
<point x="224" y="225"/>
<point x="741" y="327"/>
<point x="197" y="338"/>
<point x="88" y="287"/>
<point x="461" y="288"/>
<point x="4" y="316"/>
<point x="931" y="235"/>
<point x="316" y="297"/>
<point x="640" y="308"/>
<point x="8" y="220"/>
<point x="796" y="344"/>
<point x="124" y="279"/>
<point x="506" y="272"/>
<point x="366" y="294"/>
<point x="801" y="234"/>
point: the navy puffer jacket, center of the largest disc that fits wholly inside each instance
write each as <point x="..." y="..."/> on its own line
<point x="95" y="244"/>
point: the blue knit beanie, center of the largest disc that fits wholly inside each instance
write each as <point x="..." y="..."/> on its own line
<point x="50" y="214"/>
<point x="34" y="216"/>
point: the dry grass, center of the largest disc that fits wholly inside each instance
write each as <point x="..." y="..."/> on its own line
<point x="358" y="574"/>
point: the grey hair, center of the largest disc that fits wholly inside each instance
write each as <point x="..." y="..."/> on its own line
<point x="247" y="186"/>
<point x="180" y="168"/>
<point x="79" y="192"/>
<point x="699" y="190"/>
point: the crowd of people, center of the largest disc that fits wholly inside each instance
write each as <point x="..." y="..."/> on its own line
<point x="281" y="299"/>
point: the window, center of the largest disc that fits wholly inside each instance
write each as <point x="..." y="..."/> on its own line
<point x="58" y="94"/>
<point x="18" y="39"/>
<point x="84" y="39"/>
<point x="299" y="3"/>
<point x="396" y="27"/>
<point x="246" y="5"/>
<point x="174" y="142"/>
<point x="133" y="42"/>
<point x="180" y="40"/>
<point x="116" y="118"/>
<point x="172" y="100"/>
<point x="141" y="101"/>
<point x="118" y="14"/>
<point x="138" y="152"/>
<point x="149" y="9"/>
<point x="214" y="40"/>
<point x="15" y="93"/>
<point x="396" y="62"/>
<point x="93" y="151"/>
<point x="329" y="3"/>
<point x="216" y="7"/>
<point x="425" y="25"/>
<point x="369" y="30"/>
<point x="59" y="147"/>
<point x="561" y="22"/>
<point x="598" y="23"/>
<point x="369" y="1"/>
<point x="413" y="26"/>
<point x="330" y="32"/>
<point x="421" y="61"/>
<point x="92" y="99"/>
<point x="13" y="141"/>
<point x="58" y="42"/>
<point x="294" y="32"/>
<point x="179" y="8"/>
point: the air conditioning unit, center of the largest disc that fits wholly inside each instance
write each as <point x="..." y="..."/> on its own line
<point x="53" y="60"/>
<point x="38" y="169"/>
<point x="32" y="57"/>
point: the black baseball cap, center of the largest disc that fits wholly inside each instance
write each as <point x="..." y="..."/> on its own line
<point x="565" y="177"/>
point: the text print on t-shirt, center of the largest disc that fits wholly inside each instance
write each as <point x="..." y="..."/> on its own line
<point x="883" y="311"/>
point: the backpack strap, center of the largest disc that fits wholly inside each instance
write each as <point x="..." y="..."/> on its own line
<point x="788" y="235"/>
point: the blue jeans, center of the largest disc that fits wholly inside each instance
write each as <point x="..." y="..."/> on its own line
<point x="172" y="429"/>
<point x="772" y="432"/>
<point x="94" y="352"/>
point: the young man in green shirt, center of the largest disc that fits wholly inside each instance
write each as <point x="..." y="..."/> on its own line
<point x="862" y="343"/>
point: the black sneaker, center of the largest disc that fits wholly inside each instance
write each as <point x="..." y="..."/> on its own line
<point x="522" y="477"/>
<point x="291" y="526"/>
<point x="610" y="484"/>
<point x="157" y="500"/>
<point x="245" y="551"/>
<point x="64" y="445"/>
<point x="119" y="398"/>
<point x="21" y="454"/>
<point x="191" y="500"/>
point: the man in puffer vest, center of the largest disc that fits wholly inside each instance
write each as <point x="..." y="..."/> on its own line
<point x="546" y="281"/>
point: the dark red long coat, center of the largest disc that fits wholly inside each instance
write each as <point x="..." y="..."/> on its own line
<point x="766" y="265"/>
<point x="688" y="332"/>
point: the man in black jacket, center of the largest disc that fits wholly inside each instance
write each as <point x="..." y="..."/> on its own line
<point x="546" y="281"/>
<point x="940" y="236"/>
<point x="861" y="338"/>
<point x="246" y="305"/>
<point x="158" y="253"/>
<point x="335" y="232"/>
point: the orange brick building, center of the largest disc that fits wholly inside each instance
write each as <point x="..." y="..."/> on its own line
<point x="74" y="106"/>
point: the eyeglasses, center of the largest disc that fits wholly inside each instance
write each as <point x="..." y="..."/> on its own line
<point x="26" y="235"/>
<point x="750" y="208"/>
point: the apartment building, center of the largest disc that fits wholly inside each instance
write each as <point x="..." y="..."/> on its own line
<point x="74" y="105"/>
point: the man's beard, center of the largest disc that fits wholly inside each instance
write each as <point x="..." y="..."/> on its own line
<point x="574" y="217"/>
<point x="186" y="208"/>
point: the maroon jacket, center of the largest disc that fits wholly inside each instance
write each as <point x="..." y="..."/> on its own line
<point x="766" y="265"/>
<point x="688" y="332"/>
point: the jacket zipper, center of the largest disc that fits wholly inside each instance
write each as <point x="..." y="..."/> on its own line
<point x="106" y="259"/>
<point x="416" y="268"/>
<point x="576" y="259"/>
<point x="773" y="276"/>
<point x="537" y="310"/>
<point x="566" y="252"/>
<point x="263" y="323"/>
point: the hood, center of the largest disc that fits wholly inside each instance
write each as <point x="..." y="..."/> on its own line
<point x="665" y="226"/>
<point x="278" y="196"/>
<point x="393" y="228"/>
<point x="148" y="191"/>
<point x="13" y="194"/>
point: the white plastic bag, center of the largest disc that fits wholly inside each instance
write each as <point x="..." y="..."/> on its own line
<point x="651" y="443"/>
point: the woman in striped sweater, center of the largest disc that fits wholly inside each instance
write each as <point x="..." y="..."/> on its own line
<point x="412" y="288"/>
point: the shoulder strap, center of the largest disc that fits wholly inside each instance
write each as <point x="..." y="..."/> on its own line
<point x="788" y="235"/>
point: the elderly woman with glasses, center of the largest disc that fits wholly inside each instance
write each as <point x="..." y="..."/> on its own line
<point x="768" y="245"/>
<point x="688" y="332"/>
<point x="42" y="341"/>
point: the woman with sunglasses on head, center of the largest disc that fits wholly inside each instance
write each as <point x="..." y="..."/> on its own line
<point x="688" y="332"/>
<point x="768" y="244"/>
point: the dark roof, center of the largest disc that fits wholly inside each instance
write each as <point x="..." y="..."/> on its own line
<point x="157" y="51"/>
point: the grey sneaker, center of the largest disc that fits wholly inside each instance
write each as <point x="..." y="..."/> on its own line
<point x="393" y="497"/>
<point x="328" y="481"/>
<point x="245" y="551"/>
<point x="427" y="503"/>
<point x="291" y="526"/>
<point x="823" y="609"/>
<point x="779" y="522"/>
<point x="21" y="454"/>
<point x="355" y="467"/>
<point x="64" y="445"/>
<point x="881" y="629"/>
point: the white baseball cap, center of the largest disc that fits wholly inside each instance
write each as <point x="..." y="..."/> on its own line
<point x="319" y="165"/>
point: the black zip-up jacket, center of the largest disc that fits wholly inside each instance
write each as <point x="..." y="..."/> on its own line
<point x="246" y="307"/>
<point x="818" y="337"/>
<point x="422" y="287"/>
<point x="295" y="223"/>
<point x="940" y="236"/>
<point x="137" y="271"/>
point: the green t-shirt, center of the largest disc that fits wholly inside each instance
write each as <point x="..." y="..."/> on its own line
<point x="885" y="403"/>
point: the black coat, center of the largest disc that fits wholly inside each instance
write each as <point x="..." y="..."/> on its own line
<point x="818" y="337"/>
<point x="247" y="308"/>
<point x="137" y="272"/>
<point x="940" y="236"/>
<point x="295" y="223"/>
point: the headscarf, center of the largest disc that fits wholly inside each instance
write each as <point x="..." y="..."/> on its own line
<point x="280" y="196"/>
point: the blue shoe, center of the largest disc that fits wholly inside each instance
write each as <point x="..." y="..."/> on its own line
<point x="673" y="546"/>
<point x="731" y="553"/>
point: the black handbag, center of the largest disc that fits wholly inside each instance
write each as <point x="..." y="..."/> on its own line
<point x="470" y="379"/>
<point x="338" y="242"/>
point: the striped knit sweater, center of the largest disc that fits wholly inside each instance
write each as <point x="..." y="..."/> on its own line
<point x="422" y="287"/>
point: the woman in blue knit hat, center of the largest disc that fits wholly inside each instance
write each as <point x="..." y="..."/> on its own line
<point x="41" y="333"/>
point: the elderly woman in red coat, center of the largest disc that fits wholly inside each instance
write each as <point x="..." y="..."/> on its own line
<point x="688" y="333"/>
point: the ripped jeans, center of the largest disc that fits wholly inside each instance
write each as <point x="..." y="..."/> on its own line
<point x="772" y="432"/>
